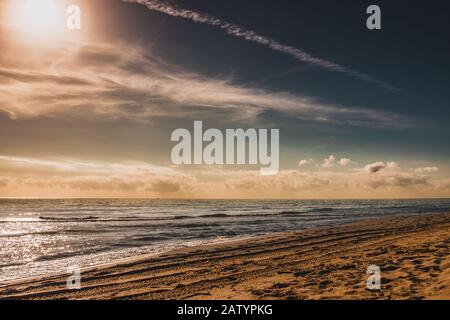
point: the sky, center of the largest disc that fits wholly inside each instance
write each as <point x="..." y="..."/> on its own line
<point x="89" y="113"/>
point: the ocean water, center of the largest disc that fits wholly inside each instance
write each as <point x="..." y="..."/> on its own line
<point x="47" y="236"/>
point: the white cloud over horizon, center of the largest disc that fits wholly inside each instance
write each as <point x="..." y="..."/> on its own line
<point x="380" y="165"/>
<point x="333" y="161"/>
<point x="58" y="177"/>
<point x="305" y="162"/>
<point x="426" y="169"/>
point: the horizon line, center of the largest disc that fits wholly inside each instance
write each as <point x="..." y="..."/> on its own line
<point x="215" y="199"/>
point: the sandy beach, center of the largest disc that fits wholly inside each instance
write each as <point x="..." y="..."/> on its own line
<point x="320" y="263"/>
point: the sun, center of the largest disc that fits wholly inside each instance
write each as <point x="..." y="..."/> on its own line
<point x="38" y="18"/>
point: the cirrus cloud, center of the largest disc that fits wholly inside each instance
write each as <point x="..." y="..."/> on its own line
<point x="248" y="35"/>
<point x="102" y="81"/>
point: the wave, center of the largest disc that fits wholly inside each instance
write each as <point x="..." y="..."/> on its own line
<point x="89" y="219"/>
<point x="42" y="233"/>
<point x="12" y="264"/>
<point x="182" y="217"/>
<point x="309" y="213"/>
<point x="50" y="233"/>
<point x="221" y="215"/>
<point x="65" y="255"/>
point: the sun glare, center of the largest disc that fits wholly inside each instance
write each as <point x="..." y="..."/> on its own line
<point x="38" y="18"/>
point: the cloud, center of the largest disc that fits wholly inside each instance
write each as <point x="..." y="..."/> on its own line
<point x="94" y="183"/>
<point x="332" y="161"/>
<point x="305" y="162"/>
<point x="392" y="165"/>
<point x="443" y="184"/>
<point x="89" y="176"/>
<point x="344" y="162"/>
<point x="104" y="82"/>
<point x="331" y="183"/>
<point x="67" y="166"/>
<point x="375" y="167"/>
<point x="165" y="186"/>
<point x="398" y="180"/>
<point x="14" y="76"/>
<point x="426" y="170"/>
<point x="286" y="181"/>
<point x="58" y="177"/>
<point x="329" y="162"/>
<point x="378" y="166"/>
<point x="248" y="35"/>
<point x="31" y="162"/>
<point x="3" y="183"/>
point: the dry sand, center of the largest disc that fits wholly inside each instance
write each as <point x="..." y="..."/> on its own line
<point x="321" y="263"/>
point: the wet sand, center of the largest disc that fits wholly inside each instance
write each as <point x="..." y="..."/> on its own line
<point x="320" y="263"/>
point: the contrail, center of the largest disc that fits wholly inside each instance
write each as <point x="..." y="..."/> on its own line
<point x="240" y="32"/>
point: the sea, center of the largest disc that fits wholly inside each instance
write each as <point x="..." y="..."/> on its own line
<point x="40" y="237"/>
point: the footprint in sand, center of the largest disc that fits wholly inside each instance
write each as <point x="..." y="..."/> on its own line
<point x="390" y="268"/>
<point x="324" y="283"/>
<point x="417" y="262"/>
<point x="301" y="273"/>
<point x="280" y="285"/>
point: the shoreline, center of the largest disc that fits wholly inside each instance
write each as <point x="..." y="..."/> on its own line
<point x="316" y="263"/>
<point x="145" y="256"/>
<point x="127" y="260"/>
